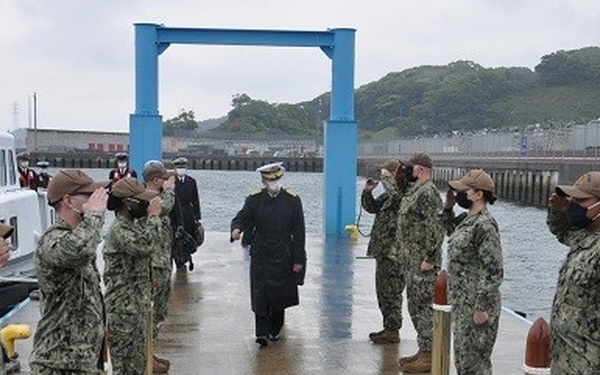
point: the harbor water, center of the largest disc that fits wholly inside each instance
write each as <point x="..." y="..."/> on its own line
<point x="532" y="256"/>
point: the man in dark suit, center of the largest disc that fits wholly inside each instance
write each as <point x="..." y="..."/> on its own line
<point x="272" y="222"/>
<point x="186" y="192"/>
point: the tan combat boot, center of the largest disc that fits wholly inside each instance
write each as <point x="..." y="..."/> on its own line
<point x="404" y="360"/>
<point x="164" y="361"/>
<point x="373" y="334"/>
<point x="159" y="367"/>
<point x="419" y="365"/>
<point x="388" y="336"/>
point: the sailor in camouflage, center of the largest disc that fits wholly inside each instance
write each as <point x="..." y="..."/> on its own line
<point x="475" y="269"/>
<point x="159" y="180"/>
<point x="134" y="235"/>
<point x="69" y="335"/>
<point x="574" y="218"/>
<point x="389" y="279"/>
<point x="5" y="248"/>
<point x="419" y="239"/>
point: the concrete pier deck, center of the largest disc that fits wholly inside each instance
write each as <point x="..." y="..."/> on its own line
<point x="210" y="328"/>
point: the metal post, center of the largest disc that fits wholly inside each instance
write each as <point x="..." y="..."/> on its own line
<point x="537" y="351"/>
<point x="440" y="353"/>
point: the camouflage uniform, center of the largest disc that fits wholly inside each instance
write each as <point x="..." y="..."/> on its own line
<point x="69" y="334"/>
<point x="419" y="237"/>
<point x="127" y="251"/>
<point x="161" y="262"/>
<point x="475" y="274"/>
<point x="575" y="321"/>
<point x="389" y="279"/>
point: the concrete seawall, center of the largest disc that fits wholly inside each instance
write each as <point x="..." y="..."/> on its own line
<point x="525" y="180"/>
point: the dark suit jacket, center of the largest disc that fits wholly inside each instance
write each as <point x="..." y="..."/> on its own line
<point x="187" y="195"/>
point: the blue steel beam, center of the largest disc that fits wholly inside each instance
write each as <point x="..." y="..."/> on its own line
<point x="233" y="37"/>
<point x="340" y="130"/>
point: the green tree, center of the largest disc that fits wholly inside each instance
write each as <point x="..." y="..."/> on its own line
<point x="185" y="120"/>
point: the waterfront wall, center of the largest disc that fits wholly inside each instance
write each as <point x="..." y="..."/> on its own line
<point x="525" y="180"/>
<point x="233" y="163"/>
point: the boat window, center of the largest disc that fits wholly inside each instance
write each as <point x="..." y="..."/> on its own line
<point x="12" y="179"/>
<point x="14" y="238"/>
<point x="3" y="167"/>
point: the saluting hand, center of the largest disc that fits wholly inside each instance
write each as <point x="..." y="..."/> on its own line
<point x="96" y="202"/>
<point x="155" y="207"/>
<point x="169" y="183"/>
<point x="370" y="185"/>
<point x="558" y="203"/>
<point x="5" y="249"/>
<point x="450" y="199"/>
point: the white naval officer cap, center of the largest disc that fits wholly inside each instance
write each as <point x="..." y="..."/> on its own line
<point x="271" y="172"/>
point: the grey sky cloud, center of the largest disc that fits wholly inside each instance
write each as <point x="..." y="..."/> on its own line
<point x="78" y="55"/>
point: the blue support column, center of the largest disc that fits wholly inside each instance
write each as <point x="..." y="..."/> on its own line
<point x="341" y="139"/>
<point x="145" y="125"/>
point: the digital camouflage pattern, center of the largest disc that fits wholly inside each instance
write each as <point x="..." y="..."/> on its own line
<point x="162" y="264"/>
<point x="419" y="237"/>
<point x="475" y="273"/>
<point x="389" y="279"/>
<point x="127" y="251"/>
<point x="385" y="208"/>
<point x="70" y="332"/>
<point x="575" y="318"/>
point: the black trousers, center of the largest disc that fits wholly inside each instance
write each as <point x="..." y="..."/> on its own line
<point x="270" y="323"/>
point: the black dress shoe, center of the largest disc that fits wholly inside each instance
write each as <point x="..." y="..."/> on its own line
<point x="262" y="341"/>
<point x="273" y="337"/>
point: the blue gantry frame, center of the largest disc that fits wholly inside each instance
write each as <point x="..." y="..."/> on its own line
<point x="145" y="125"/>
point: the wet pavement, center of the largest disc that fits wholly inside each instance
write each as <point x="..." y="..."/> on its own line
<point x="210" y="328"/>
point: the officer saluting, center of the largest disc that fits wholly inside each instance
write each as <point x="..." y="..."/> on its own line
<point x="274" y="219"/>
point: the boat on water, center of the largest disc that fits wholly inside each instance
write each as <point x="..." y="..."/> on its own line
<point x="28" y="212"/>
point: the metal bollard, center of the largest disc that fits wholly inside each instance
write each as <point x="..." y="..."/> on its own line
<point x="440" y="351"/>
<point x="537" y="351"/>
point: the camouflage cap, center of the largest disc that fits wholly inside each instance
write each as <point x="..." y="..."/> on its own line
<point x="586" y="186"/>
<point x="421" y="159"/>
<point x="71" y="182"/>
<point x="155" y="169"/>
<point x="476" y="179"/>
<point x="129" y="187"/>
<point x="391" y="165"/>
<point x="271" y="172"/>
<point x="6" y="230"/>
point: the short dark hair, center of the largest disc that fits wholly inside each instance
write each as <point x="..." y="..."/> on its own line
<point x="489" y="196"/>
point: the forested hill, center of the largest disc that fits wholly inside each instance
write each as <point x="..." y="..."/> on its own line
<point x="463" y="95"/>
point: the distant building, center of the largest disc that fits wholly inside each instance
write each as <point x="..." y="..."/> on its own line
<point x="70" y="140"/>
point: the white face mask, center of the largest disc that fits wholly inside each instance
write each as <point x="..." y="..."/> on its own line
<point x="122" y="165"/>
<point x="385" y="173"/>
<point x="273" y="186"/>
<point x="24" y="164"/>
<point x="180" y="171"/>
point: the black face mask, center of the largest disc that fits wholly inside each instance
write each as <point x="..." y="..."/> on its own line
<point x="139" y="210"/>
<point x="577" y="216"/>
<point x="408" y="174"/>
<point x="463" y="201"/>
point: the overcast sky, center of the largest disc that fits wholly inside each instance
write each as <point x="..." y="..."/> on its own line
<point x="78" y="55"/>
